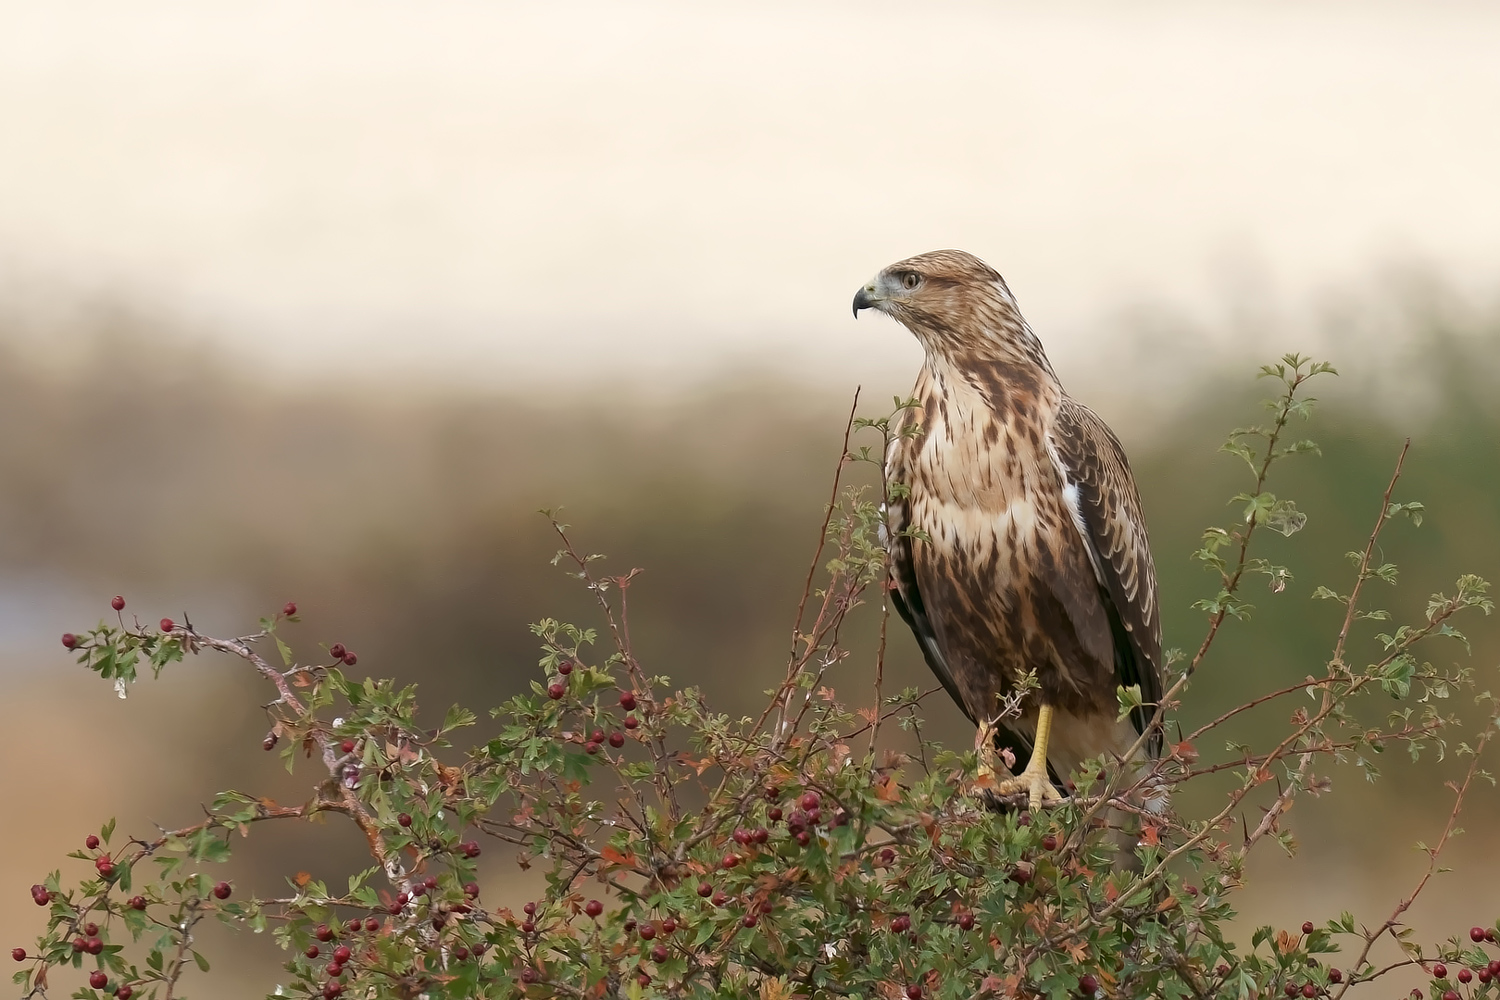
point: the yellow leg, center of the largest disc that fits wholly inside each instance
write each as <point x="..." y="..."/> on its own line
<point x="1034" y="780"/>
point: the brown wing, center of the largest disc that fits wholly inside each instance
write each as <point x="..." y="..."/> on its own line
<point x="1107" y="510"/>
<point x="901" y="565"/>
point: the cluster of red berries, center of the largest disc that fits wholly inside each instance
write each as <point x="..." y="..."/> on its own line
<point x="338" y="652"/>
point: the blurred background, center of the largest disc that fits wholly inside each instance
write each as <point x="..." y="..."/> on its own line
<point x="322" y="301"/>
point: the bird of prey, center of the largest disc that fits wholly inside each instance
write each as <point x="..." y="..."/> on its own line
<point x="1015" y="535"/>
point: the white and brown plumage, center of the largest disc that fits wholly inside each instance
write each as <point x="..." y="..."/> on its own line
<point x="1016" y="540"/>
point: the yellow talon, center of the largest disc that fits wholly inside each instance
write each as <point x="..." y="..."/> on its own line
<point x="1033" y="780"/>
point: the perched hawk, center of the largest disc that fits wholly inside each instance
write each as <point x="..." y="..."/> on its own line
<point x="1016" y="538"/>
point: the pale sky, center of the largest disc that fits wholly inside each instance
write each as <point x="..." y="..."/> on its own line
<point x="493" y="191"/>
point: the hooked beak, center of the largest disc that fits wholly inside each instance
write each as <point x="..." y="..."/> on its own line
<point x="864" y="299"/>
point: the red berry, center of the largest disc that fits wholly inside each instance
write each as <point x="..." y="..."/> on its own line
<point x="887" y="857"/>
<point x="341" y="954"/>
<point x="105" y="866"/>
<point x="289" y="608"/>
<point x="269" y="743"/>
<point x="79" y="944"/>
<point x="966" y="920"/>
<point x="1049" y="843"/>
<point x="631" y="722"/>
<point x="1476" y="934"/>
<point x="91" y="842"/>
<point x="705" y="890"/>
<point x="772" y="793"/>
<point x="760" y="835"/>
<point x="719" y="899"/>
<point x="528" y="975"/>
<point x="1464" y="975"/>
<point x="1484" y="975"/>
<point x="124" y="993"/>
<point x="471" y="889"/>
<point x="556" y="691"/>
<point x="593" y="907"/>
<point x="668" y="925"/>
<point x="98" y="979"/>
<point x="730" y="860"/>
<point x="1307" y="927"/>
<point x="1291" y="989"/>
<point x="774" y="814"/>
<point x="347" y="746"/>
<point x="93" y="946"/>
<point x="460" y="953"/>
<point x="1088" y="985"/>
<point x="813" y="815"/>
<point x="332" y="990"/>
<point x="1310" y="990"/>
<point x="529" y="909"/>
<point x="404" y="819"/>
<point x="749" y="920"/>
<point x="90" y="929"/>
<point x="914" y="992"/>
<point x="312" y="951"/>
<point x="1335" y="976"/>
<point x="1450" y="995"/>
<point x="350" y="658"/>
<point x="627" y="701"/>
<point x="1021" y="874"/>
<point x="1439" y="971"/>
<point x="222" y="890"/>
<point x="565" y="668"/>
<point x="470" y="848"/>
<point x="323" y="933"/>
<point x="659" y="953"/>
<point x="901" y="924"/>
<point x="642" y="979"/>
<point x="167" y="625"/>
<point x="591" y="748"/>
<point x="337" y="651"/>
<point x="1494" y="967"/>
<point x="617" y="740"/>
<point x="811" y="800"/>
<point x="69" y="640"/>
<point x="648" y="931"/>
<point x="803" y="838"/>
<point x="1191" y="890"/>
<point x="19" y="954"/>
<point x="527" y="927"/>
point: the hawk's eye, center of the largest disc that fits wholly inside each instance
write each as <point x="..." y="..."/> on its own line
<point x="911" y="279"/>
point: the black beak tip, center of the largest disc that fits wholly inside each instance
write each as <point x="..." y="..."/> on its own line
<point x="862" y="300"/>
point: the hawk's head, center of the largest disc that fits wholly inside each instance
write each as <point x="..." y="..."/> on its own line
<point x="954" y="302"/>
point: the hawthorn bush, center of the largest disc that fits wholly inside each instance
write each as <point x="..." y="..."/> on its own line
<point x="795" y="854"/>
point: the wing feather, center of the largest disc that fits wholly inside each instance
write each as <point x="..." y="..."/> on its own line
<point x="1101" y="493"/>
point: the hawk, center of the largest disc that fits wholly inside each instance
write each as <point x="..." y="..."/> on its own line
<point x="1015" y="536"/>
